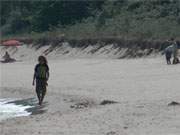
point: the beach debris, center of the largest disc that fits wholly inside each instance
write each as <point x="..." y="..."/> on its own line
<point x="81" y="105"/>
<point x="111" y="133"/>
<point x="125" y="127"/>
<point x="106" y="102"/>
<point x="174" y="103"/>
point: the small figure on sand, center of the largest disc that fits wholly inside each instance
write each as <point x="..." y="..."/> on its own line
<point x="6" y="58"/>
<point x="172" y="49"/>
<point x="168" y="54"/>
<point x="41" y="75"/>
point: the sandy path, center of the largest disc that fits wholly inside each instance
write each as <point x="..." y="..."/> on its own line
<point x="143" y="88"/>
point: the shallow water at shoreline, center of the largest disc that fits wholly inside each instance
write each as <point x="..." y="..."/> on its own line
<point x="8" y="109"/>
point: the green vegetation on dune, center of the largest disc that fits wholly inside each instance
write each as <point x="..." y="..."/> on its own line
<point x="146" y="19"/>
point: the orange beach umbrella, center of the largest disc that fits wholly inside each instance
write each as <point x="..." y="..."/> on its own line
<point x="11" y="43"/>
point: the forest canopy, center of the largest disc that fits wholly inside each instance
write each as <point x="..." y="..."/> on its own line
<point x="114" y="18"/>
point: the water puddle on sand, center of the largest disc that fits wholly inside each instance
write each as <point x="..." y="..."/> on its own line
<point x="9" y="109"/>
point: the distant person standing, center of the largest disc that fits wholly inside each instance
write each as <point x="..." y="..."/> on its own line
<point x="172" y="50"/>
<point x="41" y="75"/>
<point x="168" y="54"/>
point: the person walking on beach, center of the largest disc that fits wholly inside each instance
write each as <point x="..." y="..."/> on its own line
<point x="41" y="75"/>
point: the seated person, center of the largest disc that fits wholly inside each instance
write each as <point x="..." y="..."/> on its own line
<point x="175" y="60"/>
<point x="7" y="58"/>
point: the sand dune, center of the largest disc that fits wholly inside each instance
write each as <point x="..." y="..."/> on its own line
<point x="65" y="50"/>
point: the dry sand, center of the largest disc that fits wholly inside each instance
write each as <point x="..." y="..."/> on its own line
<point x="142" y="87"/>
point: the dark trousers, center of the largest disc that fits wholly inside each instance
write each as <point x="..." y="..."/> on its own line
<point x="41" y="89"/>
<point x="168" y="57"/>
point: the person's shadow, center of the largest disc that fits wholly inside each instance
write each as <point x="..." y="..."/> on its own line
<point x="34" y="108"/>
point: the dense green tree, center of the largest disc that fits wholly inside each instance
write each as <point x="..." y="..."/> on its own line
<point x="40" y="15"/>
<point x="105" y="17"/>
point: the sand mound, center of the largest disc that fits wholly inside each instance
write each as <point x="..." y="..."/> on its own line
<point x="106" y="102"/>
<point x="173" y="103"/>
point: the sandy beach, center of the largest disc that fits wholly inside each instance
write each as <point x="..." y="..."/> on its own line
<point x="142" y="88"/>
<point x="114" y="67"/>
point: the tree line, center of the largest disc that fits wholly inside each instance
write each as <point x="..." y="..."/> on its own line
<point x="148" y="18"/>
